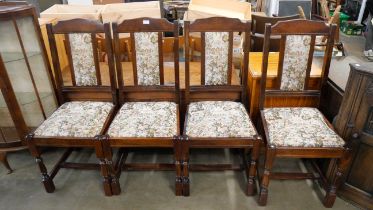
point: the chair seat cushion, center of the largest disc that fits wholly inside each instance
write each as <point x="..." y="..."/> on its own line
<point x="218" y="119"/>
<point x="145" y="119"/>
<point x="76" y="119"/>
<point x="299" y="127"/>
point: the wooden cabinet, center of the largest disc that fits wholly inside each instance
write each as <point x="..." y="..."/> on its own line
<point x="354" y="123"/>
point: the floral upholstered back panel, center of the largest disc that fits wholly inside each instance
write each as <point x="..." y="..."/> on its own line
<point x="147" y="58"/>
<point x="295" y="62"/>
<point x="82" y="59"/>
<point x="216" y="58"/>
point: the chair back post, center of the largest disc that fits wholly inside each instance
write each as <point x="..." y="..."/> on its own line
<point x="327" y="58"/>
<point x="111" y="61"/>
<point x="56" y="63"/>
<point x="187" y="59"/>
<point x="297" y="39"/>
<point x="263" y="80"/>
<point x="81" y="39"/>
<point x="147" y="30"/>
<point x="245" y="66"/>
<point x="176" y="61"/>
<point x="222" y="30"/>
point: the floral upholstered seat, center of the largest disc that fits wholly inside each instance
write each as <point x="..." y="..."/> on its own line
<point x="299" y="127"/>
<point x="218" y="119"/>
<point x="76" y="119"/>
<point x="145" y="119"/>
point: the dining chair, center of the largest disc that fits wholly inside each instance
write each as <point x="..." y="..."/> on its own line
<point x="257" y="31"/>
<point x="217" y="108"/>
<point x="149" y="113"/>
<point x="85" y="106"/>
<point x="292" y="131"/>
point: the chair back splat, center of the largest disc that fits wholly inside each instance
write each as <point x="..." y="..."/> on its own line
<point x="217" y="71"/>
<point x="148" y="70"/>
<point x="80" y="38"/>
<point x="297" y="46"/>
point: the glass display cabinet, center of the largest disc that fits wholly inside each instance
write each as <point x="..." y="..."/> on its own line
<point x="27" y="91"/>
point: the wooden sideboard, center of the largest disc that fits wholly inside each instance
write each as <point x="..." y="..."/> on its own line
<point x="354" y="123"/>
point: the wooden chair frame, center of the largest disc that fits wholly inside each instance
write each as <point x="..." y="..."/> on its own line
<point x="258" y="28"/>
<point x="227" y="92"/>
<point x="342" y="155"/>
<point x="75" y="93"/>
<point x="141" y="93"/>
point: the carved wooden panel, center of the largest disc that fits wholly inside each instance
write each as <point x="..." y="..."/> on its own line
<point x="354" y="123"/>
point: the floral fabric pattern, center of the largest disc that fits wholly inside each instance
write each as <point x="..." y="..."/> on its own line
<point x="216" y="58"/>
<point x="218" y="119"/>
<point x="147" y="58"/>
<point x="145" y="119"/>
<point x="295" y="62"/>
<point x="76" y="119"/>
<point x="82" y="59"/>
<point x="299" y="127"/>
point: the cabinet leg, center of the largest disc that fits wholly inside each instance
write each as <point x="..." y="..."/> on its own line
<point x="4" y="161"/>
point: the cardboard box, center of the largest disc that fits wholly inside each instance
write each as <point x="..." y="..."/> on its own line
<point x="223" y="8"/>
<point x="67" y="12"/>
<point x="123" y="11"/>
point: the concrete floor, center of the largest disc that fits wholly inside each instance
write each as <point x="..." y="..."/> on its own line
<point x="155" y="190"/>
<point x="76" y="189"/>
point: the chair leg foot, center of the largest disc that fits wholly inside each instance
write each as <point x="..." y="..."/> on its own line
<point x="115" y="186"/>
<point x="48" y="184"/>
<point x="269" y="160"/>
<point x="107" y="186"/>
<point x="251" y="184"/>
<point x="4" y="161"/>
<point x="178" y="167"/>
<point x="263" y="195"/>
<point x="185" y="165"/>
<point x="186" y="188"/>
<point x="337" y="180"/>
<point x="45" y="178"/>
<point x="329" y="199"/>
<point x="250" y="190"/>
<point x="178" y="186"/>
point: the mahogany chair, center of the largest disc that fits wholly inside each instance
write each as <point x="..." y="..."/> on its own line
<point x="149" y="113"/>
<point x="85" y="106"/>
<point x="217" y="109"/>
<point x="298" y="132"/>
<point x="257" y="31"/>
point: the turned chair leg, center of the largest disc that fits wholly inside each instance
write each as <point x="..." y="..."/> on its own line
<point x="251" y="184"/>
<point x="114" y="182"/>
<point x="185" y="165"/>
<point x="178" y="166"/>
<point x="269" y="159"/>
<point x="103" y="166"/>
<point x="342" y="165"/>
<point x="46" y="179"/>
<point x="4" y="161"/>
